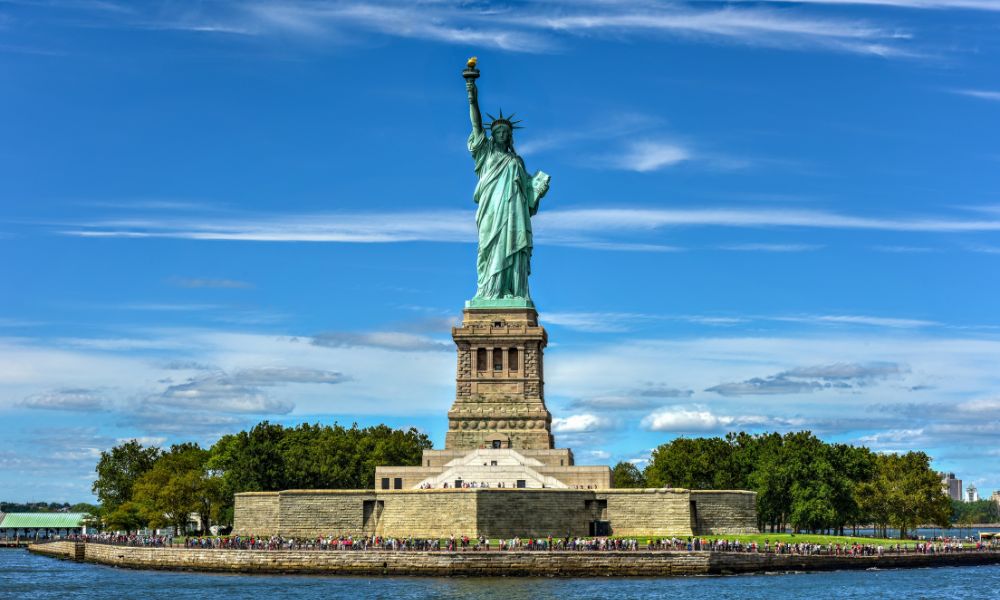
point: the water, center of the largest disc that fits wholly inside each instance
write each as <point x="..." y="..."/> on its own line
<point x="24" y="575"/>
<point x="930" y="532"/>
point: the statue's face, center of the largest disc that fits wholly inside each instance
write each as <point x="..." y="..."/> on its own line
<point x="501" y="135"/>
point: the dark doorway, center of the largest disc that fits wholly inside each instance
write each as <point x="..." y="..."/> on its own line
<point x="600" y="528"/>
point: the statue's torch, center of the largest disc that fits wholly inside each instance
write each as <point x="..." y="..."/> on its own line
<point x="471" y="73"/>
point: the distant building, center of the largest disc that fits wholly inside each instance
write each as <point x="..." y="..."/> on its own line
<point x="951" y="486"/>
<point x="40" y="525"/>
<point x="996" y="497"/>
<point x="971" y="494"/>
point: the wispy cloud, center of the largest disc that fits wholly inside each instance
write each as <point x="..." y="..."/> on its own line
<point x="388" y="340"/>
<point x="753" y="26"/>
<point x="988" y="5"/>
<point x="200" y="282"/>
<point x="68" y="399"/>
<point x="646" y="156"/>
<point x="610" y="127"/>
<point x="981" y="94"/>
<point x="240" y="391"/>
<point x="645" y="397"/>
<point x="596" y="228"/>
<point x="611" y="322"/>
<point x="772" y="247"/>
<point x="802" y="380"/>
<point x="876" y="321"/>
<point x="538" y="27"/>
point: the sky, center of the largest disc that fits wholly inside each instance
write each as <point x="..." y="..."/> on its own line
<point x="763" y="216"/>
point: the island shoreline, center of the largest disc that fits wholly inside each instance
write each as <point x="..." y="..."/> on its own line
<point x="641" y="563"/>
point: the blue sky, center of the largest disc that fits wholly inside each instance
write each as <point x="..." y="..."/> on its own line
<point x="763" y="216"/>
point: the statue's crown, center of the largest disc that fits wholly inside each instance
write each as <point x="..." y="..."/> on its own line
<point x="502" y="120"/>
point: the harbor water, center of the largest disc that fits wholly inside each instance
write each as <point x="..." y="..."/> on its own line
<point x="24" y="575"/>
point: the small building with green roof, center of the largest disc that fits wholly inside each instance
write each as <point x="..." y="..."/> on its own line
<point x="41" y="525"/>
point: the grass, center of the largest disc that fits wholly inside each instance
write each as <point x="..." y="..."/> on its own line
<point x="808" y="538"/>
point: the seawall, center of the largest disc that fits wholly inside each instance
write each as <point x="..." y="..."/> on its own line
<point x="493" y="563"/>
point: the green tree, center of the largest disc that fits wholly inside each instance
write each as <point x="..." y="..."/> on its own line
<point x="693" y="463"/>
<point x="905" y="492"/>
<point x="128" y="516"/>
<point x="627" y="475"/>
<point x="119" y="469"/>
<point x="271" y="457"/>
<point x="177" y="486"/>
<point x="982" y="511"/>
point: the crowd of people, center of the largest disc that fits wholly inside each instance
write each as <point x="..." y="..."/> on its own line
<point x="550" y="543"/>
<point x="120" y="539"/>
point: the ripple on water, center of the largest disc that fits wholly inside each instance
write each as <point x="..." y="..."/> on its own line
<point x="25" y="575"/>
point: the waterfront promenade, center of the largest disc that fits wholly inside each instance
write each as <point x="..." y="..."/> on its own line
<point x="634" y="561"/>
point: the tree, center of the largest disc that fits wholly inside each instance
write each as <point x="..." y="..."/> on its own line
<point x="128" y="516"/>
<point x="119" y="469"/>
<point x="270" y="457"/>
<point x="905" y="492"/>
<point x="627" y="475"/>
<point x="694" y="463"/>
<point x="177" y="486"/>
<point x="982" y="511"/>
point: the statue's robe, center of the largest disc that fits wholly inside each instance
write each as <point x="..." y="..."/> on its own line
<point x="507" y="199"/>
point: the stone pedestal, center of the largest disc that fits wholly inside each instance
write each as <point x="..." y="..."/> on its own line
<point x="499" y="399"/>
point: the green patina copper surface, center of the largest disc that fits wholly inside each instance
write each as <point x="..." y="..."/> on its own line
<point x="41" y="520"/>
<point x="499" y="303"/>
<point x="507" y="197"/>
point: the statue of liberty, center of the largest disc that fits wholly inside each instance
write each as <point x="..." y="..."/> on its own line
<point x="507" y="197"/>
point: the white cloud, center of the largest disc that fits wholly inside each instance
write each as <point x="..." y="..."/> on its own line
<point x="538" y="27"/>
<point x="596" y="228"/>
<point x="981" y="94"/>
<point x="68" y="399"/>
<point x="895" y="438"/>
<point x="646" y="156"/>
<point x="698" y="418"/>
<point x="593" y="321"/>
<point x="581" y="423"/>
<point x="865" y="320"/>
<point x="981" y="405"/>
<point x="201" y="282"/>
<point x="389" y="340"/>
<point x="754" y="26"/>
<point x="809" y="379"/>
<point x="685" y="420"/>
<point x="989" y="5"/>
<point x="145" y="440"/>
<point x="772" y="247"/>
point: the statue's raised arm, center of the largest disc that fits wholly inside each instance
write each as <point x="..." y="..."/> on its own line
<point x="474" y="114"/>
<point x="507" y="197"/>
<point x="470" y="74"/>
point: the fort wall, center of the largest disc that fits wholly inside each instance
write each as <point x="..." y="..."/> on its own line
<point x="494" y="512"/>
